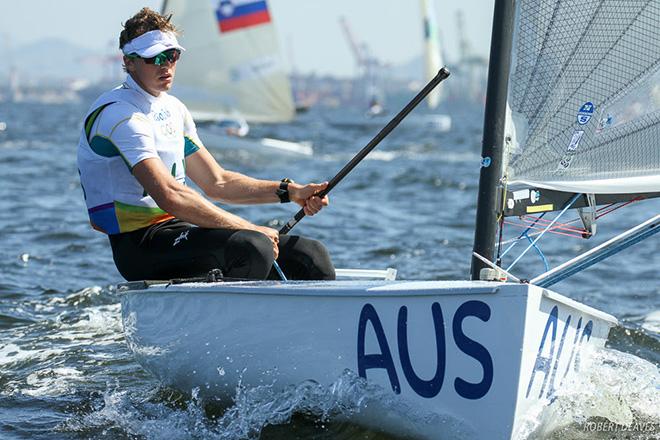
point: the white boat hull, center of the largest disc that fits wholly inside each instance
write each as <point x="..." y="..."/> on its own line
<point x="440" y="123"/>
<point x="468" y="359"/>
<point x="213" y="139"/>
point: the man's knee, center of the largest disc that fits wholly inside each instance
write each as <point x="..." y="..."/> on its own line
<point x="255" y="249"/>
<point x="321" y="267"/>
<point x="323" y="261"/>
<point x="253" y="240"/>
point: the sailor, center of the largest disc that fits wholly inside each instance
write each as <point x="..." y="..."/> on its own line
<point x="137" y="148"/>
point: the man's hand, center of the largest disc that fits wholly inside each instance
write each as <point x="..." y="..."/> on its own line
<point x="273" y="235"/>
<point x="305" y="196"/>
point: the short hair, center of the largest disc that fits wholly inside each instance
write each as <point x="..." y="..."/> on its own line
<point x="144" y="21"/>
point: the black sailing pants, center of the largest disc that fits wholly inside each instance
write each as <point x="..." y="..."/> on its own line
<point x="176" y="249"/>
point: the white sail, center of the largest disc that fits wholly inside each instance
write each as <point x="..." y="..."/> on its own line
<point x="432" y="55"/>
<point x="232" y="63"/>
<point x="584" y="96"/>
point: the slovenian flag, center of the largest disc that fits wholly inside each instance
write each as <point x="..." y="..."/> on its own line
<point x="240" y="14"/>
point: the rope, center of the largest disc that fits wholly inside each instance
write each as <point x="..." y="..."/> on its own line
<point x="541" y="226"/>
<point x="562" y="228"/>
<point x="615" y="206"/>
<point x="522" y="234"/>
<point x="568" y="205"/>
<point x="538" y="250"/>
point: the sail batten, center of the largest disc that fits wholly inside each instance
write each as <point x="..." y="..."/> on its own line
<point x="584" y="96"/>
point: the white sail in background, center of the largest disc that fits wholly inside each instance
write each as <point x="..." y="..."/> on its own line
<point x="432" y="56"/>
<point x="232" y="63"/>
<point x="584" y="96"/>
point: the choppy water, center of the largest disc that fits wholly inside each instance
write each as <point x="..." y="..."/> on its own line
<point x="65" y="370"/>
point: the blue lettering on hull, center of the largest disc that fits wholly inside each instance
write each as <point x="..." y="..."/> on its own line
<point x="473" y="348"/>
<point x="547" y="364"/>
<point x="382" y="360"/>
<point x="423" y="387"/>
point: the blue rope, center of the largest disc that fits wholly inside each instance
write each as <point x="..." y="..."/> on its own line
<point x="568" y="205"/>
<point x="279" y="271"/>
<point x="540" y="252"/>
<point x="523" y="234"/>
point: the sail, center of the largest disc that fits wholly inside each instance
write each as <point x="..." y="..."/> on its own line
<point x="432" y="56"/>
<point x="232" y="63"/>
<point x="583" y="108"/>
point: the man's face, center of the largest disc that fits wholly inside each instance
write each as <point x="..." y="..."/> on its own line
<point x="152" y="78"/>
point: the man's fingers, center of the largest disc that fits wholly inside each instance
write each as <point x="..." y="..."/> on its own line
<point x="314" y="205"/>
<point x="320" y="187"/>
<point x="318" y="203"/>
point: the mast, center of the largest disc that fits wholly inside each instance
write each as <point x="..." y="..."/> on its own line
<point x="492" y="152"/>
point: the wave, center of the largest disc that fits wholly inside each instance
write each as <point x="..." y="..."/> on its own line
<point x="619" y="391"/>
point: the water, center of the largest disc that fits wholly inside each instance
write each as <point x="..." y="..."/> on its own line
<point x="65" y="370"/>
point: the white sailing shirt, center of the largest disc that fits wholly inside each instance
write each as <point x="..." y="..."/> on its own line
<point x="122" y="128"/>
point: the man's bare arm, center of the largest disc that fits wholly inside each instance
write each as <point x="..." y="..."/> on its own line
<point x="228" y="186"/>
<point x="231" y="187"/>
<point x="182" y="201"/>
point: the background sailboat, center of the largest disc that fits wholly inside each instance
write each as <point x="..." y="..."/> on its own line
<point x="232" y="69"/>
<point x="432" y="63"/>
<point x="374" y="73"/>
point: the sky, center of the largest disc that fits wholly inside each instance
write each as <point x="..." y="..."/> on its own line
<point x="310" y="35"/>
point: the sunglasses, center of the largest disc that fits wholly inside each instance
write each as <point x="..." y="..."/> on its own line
<point x="171" y="55"/>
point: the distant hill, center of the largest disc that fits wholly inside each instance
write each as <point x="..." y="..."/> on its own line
<point x="52" y="60"/>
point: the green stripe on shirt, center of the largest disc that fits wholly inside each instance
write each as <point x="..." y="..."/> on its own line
<point x="190" y="146"/>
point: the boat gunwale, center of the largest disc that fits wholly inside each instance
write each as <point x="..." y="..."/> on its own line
<point x="344" y="288"/>
<point x="356" y="289"/>
<point x="579" y="306"/>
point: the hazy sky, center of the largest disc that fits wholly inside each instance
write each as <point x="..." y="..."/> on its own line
<point x="310" y="35"/>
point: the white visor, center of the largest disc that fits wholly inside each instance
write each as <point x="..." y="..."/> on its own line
<point x="151" y="44"/>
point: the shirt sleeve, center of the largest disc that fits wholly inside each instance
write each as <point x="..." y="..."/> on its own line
<point x="192" y="140"/>
<point x="128" y="132"/>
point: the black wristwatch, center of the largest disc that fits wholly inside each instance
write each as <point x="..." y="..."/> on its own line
<point x="283" y="191"/>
